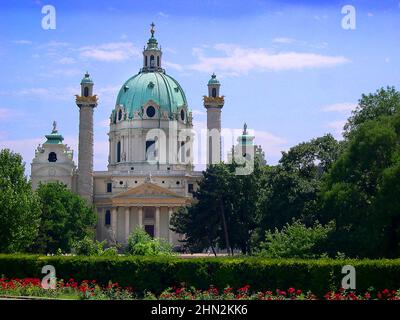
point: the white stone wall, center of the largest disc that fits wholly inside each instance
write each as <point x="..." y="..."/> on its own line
<point x="133" y="135"/>
<point x="62" y="170"/>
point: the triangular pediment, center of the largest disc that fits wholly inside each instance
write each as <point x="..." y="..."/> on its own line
<point x="147" y="190"/>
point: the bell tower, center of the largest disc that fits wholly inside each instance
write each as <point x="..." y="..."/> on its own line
<point x="213" y="104"/>
<point x="86" y="103"/>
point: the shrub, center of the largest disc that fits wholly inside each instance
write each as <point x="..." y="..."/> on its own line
<point x="142" y="244"/>
<point x="154" y="274"/>
<point x="296" y="241"/>
<point x="90" y="247"/>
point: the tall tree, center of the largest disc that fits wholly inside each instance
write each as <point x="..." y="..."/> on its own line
<point x="361" y="191"/>
<point x="225" y="211"/>
<point x="384" y="102"/>
<point x="19" y="206"/>
<point x="65" y="218"/>
<point x="291" y="187"/>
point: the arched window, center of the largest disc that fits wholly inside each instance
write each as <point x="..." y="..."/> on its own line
<point x="158" y="61"/>
<point x="151" y="61"/>
<point x="52" y="157"/>
<point x="107" y="218"/>
<point x="150" y="150"/>
<point x="119" y="115"/>
<point x="119" y="151"/>
<point x="214" y="92"/>
<point x="86" y="92"/>
<point x="145" y="62"/>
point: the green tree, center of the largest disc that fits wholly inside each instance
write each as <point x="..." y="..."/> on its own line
<point x="290" y="189"/>
<point x="361" y="191"/>
<point x="65" y="218"/>
<point x="142" y="244"/>
<point x="19" y="206"/>
<point x="225" y="212"/>
<point x="296" y="241"/>
<point x="384" y="102"/>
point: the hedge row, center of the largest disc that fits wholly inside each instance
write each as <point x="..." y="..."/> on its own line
<point x="158" y="273"/>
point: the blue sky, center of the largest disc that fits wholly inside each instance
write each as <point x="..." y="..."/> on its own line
<point x="287" y="68"/>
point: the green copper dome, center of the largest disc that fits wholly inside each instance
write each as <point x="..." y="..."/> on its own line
<point x="213" y="79"/>
<point x="86" y="79"/>
<point x="157" y="86"/>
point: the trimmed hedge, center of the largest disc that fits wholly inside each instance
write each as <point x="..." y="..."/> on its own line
<point x="155" y="274"/>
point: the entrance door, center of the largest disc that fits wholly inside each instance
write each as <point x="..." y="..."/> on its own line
<point x="149" y="228"/>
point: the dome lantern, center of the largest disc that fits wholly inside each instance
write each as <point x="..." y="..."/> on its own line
<point x="152" y="54"/>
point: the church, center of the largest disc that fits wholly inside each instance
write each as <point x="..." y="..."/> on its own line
<point x="150" y="171"/>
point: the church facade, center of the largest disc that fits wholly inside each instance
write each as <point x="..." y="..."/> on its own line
<point x="150" y="165"/>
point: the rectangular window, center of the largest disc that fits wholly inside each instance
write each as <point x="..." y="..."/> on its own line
<point x="107" y="218"/>
<point x="109" y="187"/>
<point x="190" y="188"/>
<point x="150" y="230"/>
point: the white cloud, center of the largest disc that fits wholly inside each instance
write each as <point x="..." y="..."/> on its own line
<point x="66" y="60"/>
<point x="237" y="60"/>
<point x="370" y="14"/>
<point x="199" y="113"/>
<point x="104" y="123"/>
<point x="337" y="128"/>
<point x="6" y="113"/>
<point x="271" y="144"/>
<point x="25" y="147"/>
<point x="24" y="42"/>
<point x="163" y="14"/>
<point x="170" y="50"/>
<point x="62" y="72"/>
<point x="174" y="66"/>
<point x="56" y="44"/>
<point x="112" y="51"/>
<point x="283" y="40"/>
<point x="108" y="94"/>
<point x="101" y="149"/>
<point x="66" y="93"/>
<point x="340" y="107"/>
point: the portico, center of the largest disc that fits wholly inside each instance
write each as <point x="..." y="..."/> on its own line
<point x="147" y="205"/>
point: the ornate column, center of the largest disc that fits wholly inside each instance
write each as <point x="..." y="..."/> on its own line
<point x="157" y="231"/>
<point x="114" y="212"/>
<point x="140" y="215"/>
<point x="127" y="213"/>
<point x="170" y="211"/>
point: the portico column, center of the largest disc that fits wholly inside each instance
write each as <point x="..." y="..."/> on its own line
<point x="114" y="212"/>
<point x="127" y="213"/>
<point x="157" y="233"/>
<point x="140" y="214"/>
<point x="170" y="211"/>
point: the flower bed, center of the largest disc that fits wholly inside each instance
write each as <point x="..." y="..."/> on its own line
<point x="88" y="290"/>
